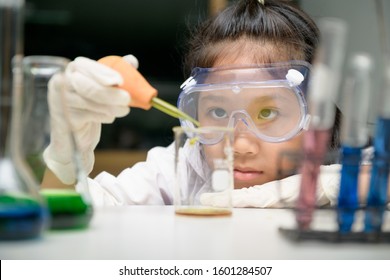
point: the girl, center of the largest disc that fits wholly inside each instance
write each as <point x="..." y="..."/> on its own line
<point x="251" y="42"/>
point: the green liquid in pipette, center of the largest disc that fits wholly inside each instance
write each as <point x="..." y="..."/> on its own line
<point x="67" y="208"/>
<point x="171" y="110"/>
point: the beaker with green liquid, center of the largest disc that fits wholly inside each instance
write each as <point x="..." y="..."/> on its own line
<point x="69" y="209"/>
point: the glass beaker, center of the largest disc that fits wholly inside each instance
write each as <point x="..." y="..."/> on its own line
<point x="203" y="171"/>
<point x="68" y="208"/>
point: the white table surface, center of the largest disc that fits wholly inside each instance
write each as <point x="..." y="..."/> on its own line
<point x="155" y="232"/>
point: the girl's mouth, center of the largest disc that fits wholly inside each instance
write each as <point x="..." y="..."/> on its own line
<point x="247" y="175"/>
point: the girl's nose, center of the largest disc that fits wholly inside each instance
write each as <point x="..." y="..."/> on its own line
<point x="245" y="142"/>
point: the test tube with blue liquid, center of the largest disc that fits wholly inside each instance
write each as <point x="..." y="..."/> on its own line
<point x="379" y="180"/>
<point x="354" y="136"/>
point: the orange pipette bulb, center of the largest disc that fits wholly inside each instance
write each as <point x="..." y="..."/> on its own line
<point x="143" y="95"/>
<point x="134" y="83"/>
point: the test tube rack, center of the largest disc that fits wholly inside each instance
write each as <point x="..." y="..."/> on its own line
<point x="336" y="235"/>
<point x="332" y="233"/>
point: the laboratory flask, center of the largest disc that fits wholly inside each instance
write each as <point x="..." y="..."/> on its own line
<point x="23" y="213"/>
<point x="68" y="208"/>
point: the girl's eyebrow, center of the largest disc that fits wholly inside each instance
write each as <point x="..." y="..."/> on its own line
<point x="213" y="98"/>
<point x="210" y="97"/>
<point x="283" y="97"/>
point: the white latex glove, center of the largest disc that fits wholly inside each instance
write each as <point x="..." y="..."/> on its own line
<point x="282" y="193"/>
<point x="91" y="99"/>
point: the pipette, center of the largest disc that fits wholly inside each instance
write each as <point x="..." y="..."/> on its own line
<point x="354" y="136"/>
<point x="143" y="95"/>
<point x="322" y="96"/>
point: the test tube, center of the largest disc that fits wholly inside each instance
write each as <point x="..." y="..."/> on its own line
<point x="354" y="136"/>
<point x="322" y="95"/>
<point x="377" y="194"/>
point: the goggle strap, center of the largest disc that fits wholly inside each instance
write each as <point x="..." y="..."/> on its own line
<point x="189" y="82"/>
<point x="306" y="122"/>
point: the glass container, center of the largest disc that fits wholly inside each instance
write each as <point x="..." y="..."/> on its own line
<point x="23" y="212"/>
<point x="69" y="208"/>
<point x="204" y="172"/>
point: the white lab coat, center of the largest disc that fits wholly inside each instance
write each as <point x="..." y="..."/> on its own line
<point x="148" y="182"/>
<point x="152" y="182"/>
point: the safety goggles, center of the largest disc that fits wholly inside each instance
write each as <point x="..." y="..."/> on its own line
<point x="268" y="100"/>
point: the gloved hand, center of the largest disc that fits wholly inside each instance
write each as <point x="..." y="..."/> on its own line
<point x="282" y="193"/>
<point x="90" y="99"/>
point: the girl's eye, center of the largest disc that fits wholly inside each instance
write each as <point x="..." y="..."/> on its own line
<point x="267" y="114"/>
<point x="218" y="113"/>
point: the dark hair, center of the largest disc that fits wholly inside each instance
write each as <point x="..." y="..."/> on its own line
<point x="278" y="30"/>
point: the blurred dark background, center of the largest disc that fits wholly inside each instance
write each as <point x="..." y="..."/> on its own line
<point x="153" y="31"/>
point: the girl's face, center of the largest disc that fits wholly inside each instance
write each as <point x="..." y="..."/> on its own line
<point x="255" y="161"/>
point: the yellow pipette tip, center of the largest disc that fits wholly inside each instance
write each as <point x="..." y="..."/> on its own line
<point x="171" y="110"/>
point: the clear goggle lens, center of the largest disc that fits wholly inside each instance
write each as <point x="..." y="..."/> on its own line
<point x="273" y="109"/>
